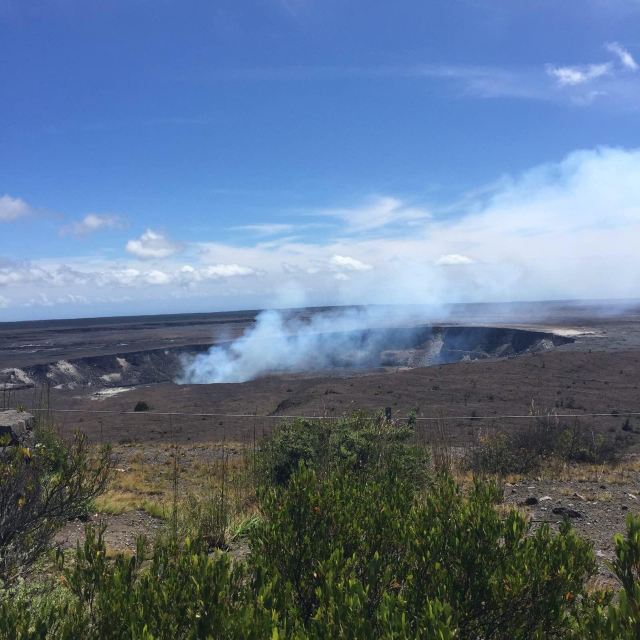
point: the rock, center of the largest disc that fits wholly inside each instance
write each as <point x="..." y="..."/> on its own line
<point x="632" y="496"/>
<point x="16" y="427"/>
<point x="530" y="501"/>
<point x="579" y="496"/>
<point x="545" y="498"/>
<point x="566" y="512"/>
<point x="624" y="507"/>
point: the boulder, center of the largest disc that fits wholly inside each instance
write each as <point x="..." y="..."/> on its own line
<point x="566" y="512"/>
<point x="16" y="427"/>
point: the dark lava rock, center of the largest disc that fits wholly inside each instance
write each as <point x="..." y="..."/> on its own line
<point x="530" y="501"/>
<point x="566" y="512"/>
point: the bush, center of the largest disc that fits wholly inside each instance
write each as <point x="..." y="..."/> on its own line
<point x="182" y="593"/>
<point x="336" y="556"/>
<point x="451" y="563"/>
<point x="361" y="443"/>
<point x="524" y="450"/>
<point x="40" y="489"/>
<point x="347" y="546"/>
<point x="141" y="405"/>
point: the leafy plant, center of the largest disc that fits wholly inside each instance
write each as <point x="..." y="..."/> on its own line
<point x="40" y="489"/>
<point x="523" y="450"/>
<point x="361" y="443"/>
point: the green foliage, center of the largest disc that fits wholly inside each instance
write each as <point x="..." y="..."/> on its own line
<point x="621" y="618"/>
<point x="342" y="556"/>
<point x="205" y="519"/>
<point x="450" y="562"/>
<point x="524" y="450"/>
<point x="40" y="489"/>
<point x="361" y="443"/>
<point x="310" y="521"/>
<point x="347" y="545"/>
<point x="184" y="593"/>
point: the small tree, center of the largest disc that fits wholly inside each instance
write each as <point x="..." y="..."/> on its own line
<point x="41" y="488"/>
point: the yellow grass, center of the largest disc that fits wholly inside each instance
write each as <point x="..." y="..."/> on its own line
<point x="147" y="475"/>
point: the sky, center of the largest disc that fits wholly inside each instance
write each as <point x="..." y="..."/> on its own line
<point x="164" y="157"/>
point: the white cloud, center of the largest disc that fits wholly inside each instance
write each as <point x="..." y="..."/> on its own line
<point x="380" y="212"/>
<point x="349" y="264"/>
<point x="157" y="277"/>
<point x="572" y="76"/>
<point x="91" y="223"/>
<point x="152" y="245"/>
<point x="266" y="229"/>
<point x="226" y="271"/>
<point x="4" y="302"/>
<point x="119" y="277"/>
<point x="608" y="82"/>
<point x="13" y="208"/>
<point x="190" y="276"/>
<point x="453" y="259"/>
<point x="626" y="59"/>
<point x="71" y="298"/>
<point x="567" y="229"/>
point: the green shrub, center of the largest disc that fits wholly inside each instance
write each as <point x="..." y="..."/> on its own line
<point x="350" y="545"/>
<point x="524" y="450"/>
<point x="375" y="546"/>
<point x="360" y="443"/>
<point x="305" y="524"/>
<point x="349" y="557"/>
<point x="141" y="405"/>
<point x="40" y="489"/>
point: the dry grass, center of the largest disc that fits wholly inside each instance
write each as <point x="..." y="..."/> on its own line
<point x="145" y="476"/>
<point x="623" y="472"/>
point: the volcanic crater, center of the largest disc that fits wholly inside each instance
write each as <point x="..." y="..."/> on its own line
<point x="342" y="352"/>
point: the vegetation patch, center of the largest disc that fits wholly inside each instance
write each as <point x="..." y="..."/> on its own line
<point x="350" y="535"/>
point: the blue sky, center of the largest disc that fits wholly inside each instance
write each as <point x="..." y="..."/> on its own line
<point x="187" y="156"/>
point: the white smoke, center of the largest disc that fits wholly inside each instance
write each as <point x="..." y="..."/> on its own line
<point x="290" y="341"/>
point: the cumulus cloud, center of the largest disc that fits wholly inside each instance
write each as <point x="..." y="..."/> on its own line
<point x="157" y="277"/>
<point x="13" y="208"/>
<point x="91" y="223"/>
<point x="190" y="275"/>
<point x="40" y="274"/>
<point x="85" y="281"/>
<point x="626" y="59"/>
<point x="152" y="245"/>
<point x="349" y="264"/>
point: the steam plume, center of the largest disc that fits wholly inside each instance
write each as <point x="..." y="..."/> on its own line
<point x="281" y="341"/>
